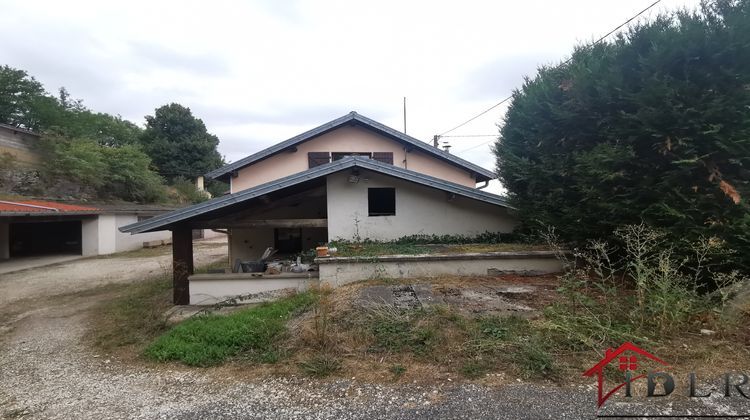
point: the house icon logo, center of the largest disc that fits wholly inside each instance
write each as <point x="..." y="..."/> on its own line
<point x="625" y="359"/>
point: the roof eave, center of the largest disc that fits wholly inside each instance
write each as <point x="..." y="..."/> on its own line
<point x="168" y="220"/>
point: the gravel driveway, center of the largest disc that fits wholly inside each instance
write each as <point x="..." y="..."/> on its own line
<point x="46" y="370"/>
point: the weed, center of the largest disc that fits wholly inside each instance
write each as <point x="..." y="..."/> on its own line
<point x="322" y="337"/>
<point x="321" y="365"/>
<point x="136" y="317"/>
<point x="662" y="292"/>
<point x="397" y="370"/>
<point x="396" y="330"/>
<point x="533" y="360"/>
<point x="370" y="248"/>
<point x="502" y="328"/>
<point x="475" y="368"/>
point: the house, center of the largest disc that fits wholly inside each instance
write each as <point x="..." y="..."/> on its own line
<point x="352" y="178"/>
<point x="33" y="228"/>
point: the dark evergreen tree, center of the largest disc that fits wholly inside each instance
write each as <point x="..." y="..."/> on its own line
<point x="179" y="144"/>
<point x="654" y="127"/>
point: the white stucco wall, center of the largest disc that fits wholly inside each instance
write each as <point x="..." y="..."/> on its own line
<point x="419" y="210"/>
<point x="128" y="242"/>
<point x="90" y="237"/>
<point x="4" y="241"/>
<point x="101" y="235"/>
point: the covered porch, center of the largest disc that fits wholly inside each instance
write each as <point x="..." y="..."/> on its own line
<point x="290" y="220"/>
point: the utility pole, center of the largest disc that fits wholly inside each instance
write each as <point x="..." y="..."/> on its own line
<point x="404" y="114"/>
<point x="436" y="140"/>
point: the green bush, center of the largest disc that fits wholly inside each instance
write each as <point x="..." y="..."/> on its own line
<point x="105" y="172"/>
<point x="188" y="191"/>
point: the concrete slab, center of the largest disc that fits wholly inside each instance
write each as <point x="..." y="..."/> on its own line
<point x="376" y="295"/>
<point x="25" y="263"/>
<point x="427" y="297"/>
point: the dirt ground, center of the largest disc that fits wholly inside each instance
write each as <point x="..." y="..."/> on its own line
<point x="49" y="371"/>
<point x="89" y="273"/>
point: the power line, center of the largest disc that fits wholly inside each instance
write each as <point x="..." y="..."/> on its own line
<point x="473" y="135"/>
<point x="478" y="115"/>
<point x="473" y="147"/>
<point x="566" y="62"/>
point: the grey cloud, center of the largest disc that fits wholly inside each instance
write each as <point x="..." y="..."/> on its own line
<point x="497" y="79"/>
<point x="56" y="68"/>
<point x="286" y="9"/>
<point x="235" y="148"/>
<point x="201" y="64"/>
<point x="282" y="114"/>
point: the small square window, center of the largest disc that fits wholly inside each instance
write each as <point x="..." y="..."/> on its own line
<point x="381" y="201"/>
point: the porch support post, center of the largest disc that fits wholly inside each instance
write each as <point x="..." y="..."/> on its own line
<point x="182" y="264"/>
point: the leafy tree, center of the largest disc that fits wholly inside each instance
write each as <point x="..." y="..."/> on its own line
<point x="22" y="98"/>
<point x="179" y="144"/>
<point x="102" y="172"/>
<point x="654" y="127"/>
<point x="129" y="176"/>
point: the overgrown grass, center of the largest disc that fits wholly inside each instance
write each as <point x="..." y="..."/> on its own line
<point x="644" y="296"/>
<point x="374" y="249"/>
<point x="448" y="339"/>
<point x="134" y="318"/>
<point x="210" y="339"/>
<point x="321" y="365"/>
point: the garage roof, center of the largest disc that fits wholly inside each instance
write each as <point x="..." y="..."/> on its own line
<point x="46" y="207"/>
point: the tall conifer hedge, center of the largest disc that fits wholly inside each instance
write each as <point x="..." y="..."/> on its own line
<point x="653" y="126"/>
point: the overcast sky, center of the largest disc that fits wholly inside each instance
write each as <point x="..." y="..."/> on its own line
<point x="259" y="72"/>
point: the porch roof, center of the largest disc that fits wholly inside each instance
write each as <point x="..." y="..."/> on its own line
<point x="311" y="177"/>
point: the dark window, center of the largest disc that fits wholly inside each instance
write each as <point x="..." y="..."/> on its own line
<point x="385" y="157"/>
<point x="318" y="158"/>
<point x="381" y="201"/>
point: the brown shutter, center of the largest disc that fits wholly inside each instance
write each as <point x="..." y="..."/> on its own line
<point x="317" y="158"/>
<point x="385" y="157"/>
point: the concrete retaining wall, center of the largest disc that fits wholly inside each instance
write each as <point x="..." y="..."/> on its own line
<point x="208" y="289"/>
<point x="338" y="271"/>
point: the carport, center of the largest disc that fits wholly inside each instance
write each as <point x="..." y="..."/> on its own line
<point x="40" y="228"/>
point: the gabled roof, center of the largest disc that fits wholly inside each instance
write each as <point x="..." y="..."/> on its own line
<point x="353" y="118"/>
<point x="165" y="221"/>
